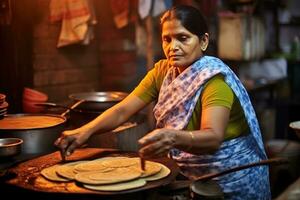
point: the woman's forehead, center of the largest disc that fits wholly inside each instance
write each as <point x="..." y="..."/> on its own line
<point x="173" y="25"/>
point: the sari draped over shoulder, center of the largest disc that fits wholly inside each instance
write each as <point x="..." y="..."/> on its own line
<point x="176" y="102"/>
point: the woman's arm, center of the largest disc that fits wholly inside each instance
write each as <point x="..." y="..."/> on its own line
<point x="211" y="134"/>
<point x="116" y="115"/>
<point x="108" y="120"/>
<point x="206" y="140"/>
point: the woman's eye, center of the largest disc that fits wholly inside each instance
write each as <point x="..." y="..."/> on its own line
<point x="182" y="38"/>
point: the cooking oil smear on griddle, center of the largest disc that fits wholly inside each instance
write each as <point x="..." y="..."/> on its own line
<point x="30" y="180"/>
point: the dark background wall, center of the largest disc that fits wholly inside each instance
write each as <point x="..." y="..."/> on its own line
<point x="30" y="57"/>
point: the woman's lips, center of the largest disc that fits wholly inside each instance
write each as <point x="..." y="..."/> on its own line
<point x="175" y="57"/>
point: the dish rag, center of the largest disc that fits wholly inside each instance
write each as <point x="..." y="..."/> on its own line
<point x="76" y="16"/>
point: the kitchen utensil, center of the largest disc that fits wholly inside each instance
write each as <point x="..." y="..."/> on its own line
<point x="55" y="105"/>
<point x="296" y="127"/>
<point x="72" y="107"/>
<point x="98" y="101"/>
<point x="35" y="140"/>
<point x="30" y="97"/>
<point x="143" y="162"/>
<point x="10" y="146"/>
<point x="2" y="98"/>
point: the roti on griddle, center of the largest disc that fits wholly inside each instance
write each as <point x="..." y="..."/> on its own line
<point x="118" y="186"/>
<point x="108" y="177"/>
<point x="121" y="162"/>
<point x="108" y="173"/>
<point x="50" y="174"/>
<point x="151" y="168"/>
<point x="67" y="170"/>
<point x="95" y="165"/>
<point x="164" y="172"/>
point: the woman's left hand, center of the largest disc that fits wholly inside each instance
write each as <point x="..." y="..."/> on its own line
<point x="157" y="143"/>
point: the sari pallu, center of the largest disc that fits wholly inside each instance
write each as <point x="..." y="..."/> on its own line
<point x="176" y="102"/>
<point x="251" y="183"/>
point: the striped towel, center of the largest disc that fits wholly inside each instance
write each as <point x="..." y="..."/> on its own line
<point x="76" y="17"/>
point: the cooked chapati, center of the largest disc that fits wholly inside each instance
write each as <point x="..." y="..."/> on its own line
<point x="67" y="170"/>
<point x="121" y="162"/>
<point x="50" y="174"/>
<point x="164" y="172"/>
<point x="95" y="165"/>
<point x="108" y="173"/>
<point x="151" y="168"/>
<point x="118" y="186"/>
<point x="113" y="176"/>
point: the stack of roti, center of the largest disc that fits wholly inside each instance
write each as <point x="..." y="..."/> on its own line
<point x="107" y="174"/>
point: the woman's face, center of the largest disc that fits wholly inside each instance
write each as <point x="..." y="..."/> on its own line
<point x="181" y="47"/>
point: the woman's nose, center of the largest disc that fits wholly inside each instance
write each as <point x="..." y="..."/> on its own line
<point x="174" y="45"/>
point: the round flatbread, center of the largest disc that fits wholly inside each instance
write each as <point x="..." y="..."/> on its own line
<point x="121" y="162"/>
<point x="118" y="186"/>
<point x="113" y="176"/>
<point x="67" y="170"/>
<point x="151" y="168"/>
<point x="50" y="174"/>
<point x="164" y="172"/>
<point x="95" y="165"/>
<point x="111" y="158"/>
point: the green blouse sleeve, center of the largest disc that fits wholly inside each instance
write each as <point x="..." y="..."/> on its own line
<point x="148" y="88"/>
<point x="217" y="93"/>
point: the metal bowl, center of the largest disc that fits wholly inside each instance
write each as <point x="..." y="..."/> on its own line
<point x="296" y="126"/>
<point x="10" y="146"/>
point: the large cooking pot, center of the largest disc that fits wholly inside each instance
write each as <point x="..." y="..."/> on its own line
<point x="97" y="101"/>
<point x="38" y="131"/>
<point x="91" y="104"/>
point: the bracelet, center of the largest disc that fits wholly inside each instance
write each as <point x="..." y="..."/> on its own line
<point x="192" y="141"/>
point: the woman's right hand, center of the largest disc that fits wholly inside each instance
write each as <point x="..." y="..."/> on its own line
<point x="72" y="139"/>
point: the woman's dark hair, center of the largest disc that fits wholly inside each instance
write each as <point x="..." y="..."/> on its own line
<point x="189" y="16"/>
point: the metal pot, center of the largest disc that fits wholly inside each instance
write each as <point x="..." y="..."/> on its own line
<point x="37" y="140"/>
<point x="97" y="101"/>
<point x="204" y="190"/>
<point x="10" y="146"/>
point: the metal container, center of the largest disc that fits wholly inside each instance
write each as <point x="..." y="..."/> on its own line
<point x="10" y="146"/>
<point x="98" y="101"/>
<point x="296" y="127"/>
<point x="38" y="140"/>
<point x="204" y="190"/>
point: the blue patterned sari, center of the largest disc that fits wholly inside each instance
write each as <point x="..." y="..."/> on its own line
<point x="176" y="102"/>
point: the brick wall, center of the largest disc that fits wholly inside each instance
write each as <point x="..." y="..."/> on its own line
<point x="117" y="51"/>
<point x="107" y="63"/>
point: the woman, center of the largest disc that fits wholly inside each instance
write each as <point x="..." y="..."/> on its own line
<point x="204" y="118"/>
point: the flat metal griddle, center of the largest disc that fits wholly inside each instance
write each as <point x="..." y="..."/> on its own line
<point x="28" y="173"/>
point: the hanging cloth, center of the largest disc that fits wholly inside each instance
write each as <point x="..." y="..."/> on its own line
<point x="76" y="17"/>
<point x="153" y="7"/>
